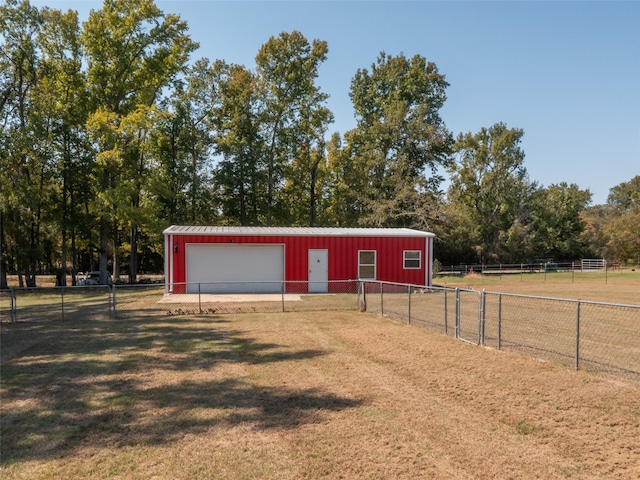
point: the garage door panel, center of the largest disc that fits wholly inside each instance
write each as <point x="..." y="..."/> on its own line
<point x="234" y="268"/>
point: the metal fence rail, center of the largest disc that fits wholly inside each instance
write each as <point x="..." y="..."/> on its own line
<point x="598" y="337"/>
<point x="592" y="336"/>
<point x="55" y="303"/>
<point x="452" y="311"/>
<point x="219" y="298"/>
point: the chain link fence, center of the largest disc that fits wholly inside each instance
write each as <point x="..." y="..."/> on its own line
<point x="219" y="298"/>
<point x="451" y="311"/>
<point x="44" y="304"/>
<point x="598" y="337"/>
<point x="593" y="336"/>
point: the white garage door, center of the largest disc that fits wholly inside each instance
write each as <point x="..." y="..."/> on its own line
<point x="234" y="268"/>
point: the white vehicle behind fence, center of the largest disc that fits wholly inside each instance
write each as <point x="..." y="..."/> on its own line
<point x="92" y="278"/>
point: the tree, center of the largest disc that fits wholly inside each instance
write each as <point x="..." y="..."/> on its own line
<point x="240" y="180"/>
<point x="291" y="111"/>
<point x="61" y="99"/>
<point x="181" y="148"/>
<point x="345" y="203"/>
<point x="306" y="175"/>
<point x="625" y="197"/>
<point x="623" y="243"/>
<point x="490" y="183"/>
<point x="400" y="140"/>
<point x="557" y="222"/>
<point x="133" y="52"/>
<point x="596" y="220"/>
<point x="612" y="229"/>
<point x="23" y="169"/>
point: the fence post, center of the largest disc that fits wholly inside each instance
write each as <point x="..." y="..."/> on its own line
<point x="282" y="293"/>
<point x="13" y="305"/>
<point x="62" y="302"/>
<point x="362" y="296"/>
<point x="112" y="292"/>
<point x="446" y="327"/>
<point x="409" y="307"/>
<point x="499" y="320"/>
<point x="381" y="300"/>
<point x="199" y="300"/>
<point x="457" y="313"/>
<point x="577" y="335"/>
<point x="482" y="317"/>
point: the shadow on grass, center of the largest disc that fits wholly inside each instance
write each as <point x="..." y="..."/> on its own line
<point x="87" y="383"/>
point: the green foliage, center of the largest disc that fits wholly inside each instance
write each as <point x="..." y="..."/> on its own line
<point x="613" y="230"/>
<point x="240" y="177"/>
<point x="109" y="136"/>
<point x="133" y="52"/>
<point x="491" y="188"/>
<point x="291" y="115"/>
<point x="556" y="222"/>
<point x="624" y="239"/>
<point x="392" y="156"/>
<point x="626" y="196"/>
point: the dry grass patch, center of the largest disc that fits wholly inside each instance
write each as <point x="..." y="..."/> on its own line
<point x="298" y="395"/>
<point x="615" y="287"/>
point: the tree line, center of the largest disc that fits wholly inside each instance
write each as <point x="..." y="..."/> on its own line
<point x="111" y="132"/>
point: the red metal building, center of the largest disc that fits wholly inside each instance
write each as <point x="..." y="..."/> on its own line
<point x="260" y="259"/>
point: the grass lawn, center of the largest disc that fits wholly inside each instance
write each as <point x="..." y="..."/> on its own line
<point x="299" y="395"/>
<point x="615" y="286"/>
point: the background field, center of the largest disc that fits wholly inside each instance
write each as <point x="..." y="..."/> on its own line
<point x="620" y="286"/>
<point x="298" y="395"/>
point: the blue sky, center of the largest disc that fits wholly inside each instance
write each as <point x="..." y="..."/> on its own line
<point x="567" y="73"/>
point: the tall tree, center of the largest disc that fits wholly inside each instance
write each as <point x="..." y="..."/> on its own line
<point x="346" y="206"/>
<point x="623" y="239"/>
<point x="490" y="183"/>
<point x="62" y="100"/>
<point x="306" y="175"/>
<point x="612" y="229"/>
<point x="625" y="197"/>
<point x="400" y="140"/>
<point x="287" y="67"/>
<point x="181" y="148"/>
<point x="240" y="180"/>
<point x="557" y="222"/>
<point x="23" y="168"/>
<point x="133" y="51"/>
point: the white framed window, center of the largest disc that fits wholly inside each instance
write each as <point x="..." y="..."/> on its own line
<point x="367" y="264"/>
<point x="412" y="259"/>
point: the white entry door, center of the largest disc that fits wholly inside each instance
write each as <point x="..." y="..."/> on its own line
<point x="318" y="271"/>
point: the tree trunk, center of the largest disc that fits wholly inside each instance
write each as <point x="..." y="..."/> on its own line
<point x="116" y="263"/>
<point x="3" y="269"/>
<point x="63" y="260"/>
<point x="74" y="265"/>
<point x="32" y="262"/>
<point x="104" y="241"/>
<point x="133" y="261"/>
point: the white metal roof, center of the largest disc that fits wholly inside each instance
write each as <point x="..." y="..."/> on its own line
<point x="296" y="231"/>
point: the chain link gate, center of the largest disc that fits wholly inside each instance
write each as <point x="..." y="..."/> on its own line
<point x="468" y="319"/>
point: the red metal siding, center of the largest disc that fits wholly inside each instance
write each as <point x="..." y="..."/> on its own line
<point x="343" y="255"/>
